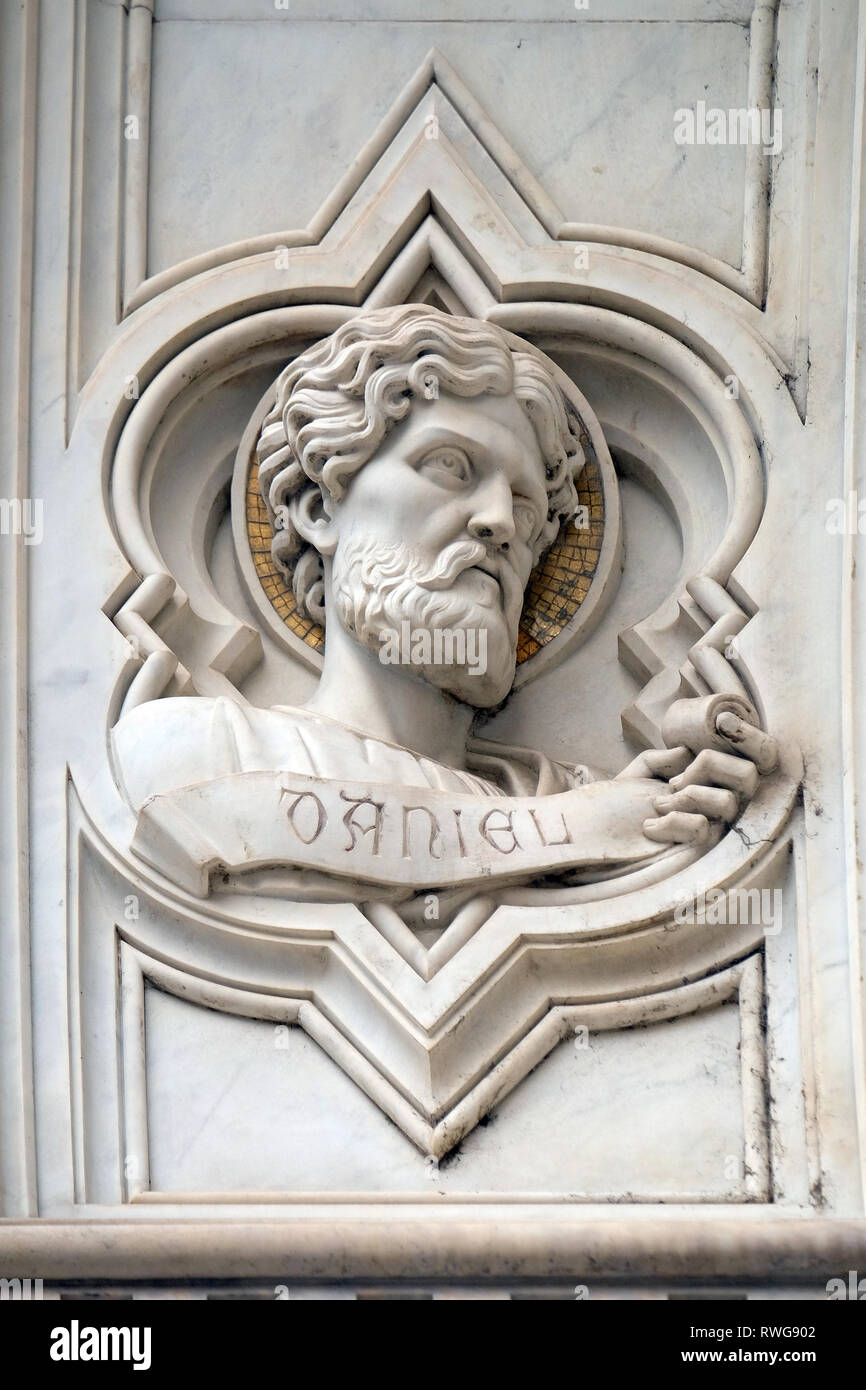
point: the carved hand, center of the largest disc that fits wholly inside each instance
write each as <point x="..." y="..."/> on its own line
<point x="709" y="786"/>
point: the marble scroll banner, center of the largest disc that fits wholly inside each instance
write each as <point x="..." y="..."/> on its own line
<point x="389" y="835"/>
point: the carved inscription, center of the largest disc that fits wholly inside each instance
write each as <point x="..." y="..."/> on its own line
<point x="415" y="836"/>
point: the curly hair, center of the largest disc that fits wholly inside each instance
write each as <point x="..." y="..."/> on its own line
<point x="337" y="401"/>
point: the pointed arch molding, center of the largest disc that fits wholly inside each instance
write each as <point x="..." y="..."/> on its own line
<point x="450" y="214"/>
<point x="436" y="92"/>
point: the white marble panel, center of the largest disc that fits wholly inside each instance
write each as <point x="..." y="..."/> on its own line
<point x="602" y="149"/>
<point x="238" y="1105"/>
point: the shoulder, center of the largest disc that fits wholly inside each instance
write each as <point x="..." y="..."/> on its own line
<point x="177" y="742"/>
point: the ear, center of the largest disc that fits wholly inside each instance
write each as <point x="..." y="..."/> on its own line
<point x="310" y="513"/>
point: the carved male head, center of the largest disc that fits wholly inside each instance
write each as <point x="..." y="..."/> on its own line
<point x="416" y="467"/>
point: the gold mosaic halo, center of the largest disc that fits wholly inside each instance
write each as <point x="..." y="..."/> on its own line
<point x="557" y="587"/>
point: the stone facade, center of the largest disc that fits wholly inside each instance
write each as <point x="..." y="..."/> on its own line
<point x="327" y="957"/>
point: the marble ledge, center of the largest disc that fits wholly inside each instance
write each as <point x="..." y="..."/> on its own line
<point x="410" y="1241"/>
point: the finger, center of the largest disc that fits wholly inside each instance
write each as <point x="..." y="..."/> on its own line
<point x="713" y="802"/>
<point x="711" y="768"/>
<point x="657" y="762"/>
<point x="678" y="828"/>
<point x="667" y="762"/>
<point x="751" y="742"/>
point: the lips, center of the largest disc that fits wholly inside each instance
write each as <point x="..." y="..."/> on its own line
<point x="489" y="573"/>
<point x="504" y="577"/>
<point x="489" y="569"/>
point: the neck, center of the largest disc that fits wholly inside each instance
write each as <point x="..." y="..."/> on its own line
<point x="387" y="702"/>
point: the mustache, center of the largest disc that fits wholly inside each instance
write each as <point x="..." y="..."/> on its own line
<point x="456" y="558"/>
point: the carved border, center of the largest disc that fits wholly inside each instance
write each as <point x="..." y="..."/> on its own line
<point x="110" y="74"/>
<point x="433" y="1092"/>
<point x="136" y="153"/>
<point x="18" y="75"/>
<point x="194" y="337"/>
<point x="742" y="982"/>
<point x="387" y="261"/>
<point x="747" y="280"/>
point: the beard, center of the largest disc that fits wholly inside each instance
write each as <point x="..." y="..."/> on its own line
<point x="379" y="589"/>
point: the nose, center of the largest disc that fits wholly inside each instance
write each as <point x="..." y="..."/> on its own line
<point x="492" y="518"/>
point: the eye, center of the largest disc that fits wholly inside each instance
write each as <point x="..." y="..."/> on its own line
<point x="447" y="464"/>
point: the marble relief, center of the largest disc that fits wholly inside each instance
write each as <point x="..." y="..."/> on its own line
<point x="416" y="469"/>
<point x="435" y="775"/>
